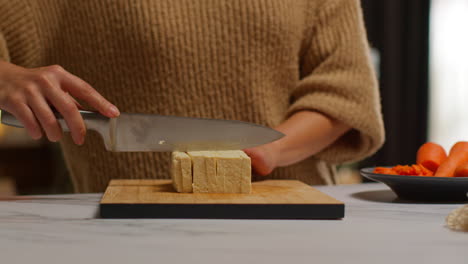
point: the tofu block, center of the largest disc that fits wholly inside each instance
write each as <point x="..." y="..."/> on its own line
<point x="205" y="179"/>
<point x="235" y="168"/>
<point x="181" y="172"/>
<point x="211" y="171"/>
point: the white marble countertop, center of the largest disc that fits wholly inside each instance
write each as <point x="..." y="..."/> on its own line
<point x="376" y="229"/>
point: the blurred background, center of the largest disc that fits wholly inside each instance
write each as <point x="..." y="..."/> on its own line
<point x="419" y="49"/>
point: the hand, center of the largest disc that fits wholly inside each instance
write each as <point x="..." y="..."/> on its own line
<point x="27" y="93"/>
<point x="264" y="158"/>
<point x="306" y="133"/>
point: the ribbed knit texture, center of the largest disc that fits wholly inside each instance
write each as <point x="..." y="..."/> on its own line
<point x="257" y="61"/>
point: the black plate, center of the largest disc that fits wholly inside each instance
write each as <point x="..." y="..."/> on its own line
<point x="422" y="188"/>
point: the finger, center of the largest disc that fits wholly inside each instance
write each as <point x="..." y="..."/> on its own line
<point x="82" y="90"/>
<point x="24" y="114"/>
<point x="80" y="107"/>
<point x="259" y="164"/>
<point x="68" y="109"/>
<point x="46" y="117"/>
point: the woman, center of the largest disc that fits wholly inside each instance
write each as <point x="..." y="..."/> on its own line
<point x="301" y="67"/>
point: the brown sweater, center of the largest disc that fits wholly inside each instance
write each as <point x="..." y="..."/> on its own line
<point x="256" y="60"/>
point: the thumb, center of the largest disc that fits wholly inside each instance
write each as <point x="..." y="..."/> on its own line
<point x="261" y="161"/>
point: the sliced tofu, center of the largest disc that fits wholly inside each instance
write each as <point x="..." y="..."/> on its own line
<point x="176" y="172"/>
<point x="211" y="171"/>
<point x="204" y="172"/>
<point x="182" y="172"/>
<point x="235" y="168"/>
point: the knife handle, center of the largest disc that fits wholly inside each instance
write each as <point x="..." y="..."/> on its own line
<point x="93" y="121"/>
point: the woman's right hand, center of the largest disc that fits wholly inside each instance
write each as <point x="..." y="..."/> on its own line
<point x="28" y="94"/>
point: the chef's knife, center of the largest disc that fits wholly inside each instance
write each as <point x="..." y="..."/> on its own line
<point x="147" y="132"/>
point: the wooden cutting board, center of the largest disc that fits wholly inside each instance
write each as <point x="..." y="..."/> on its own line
<point x="271" y="199"/>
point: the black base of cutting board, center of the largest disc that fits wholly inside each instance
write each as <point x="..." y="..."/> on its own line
<point x="269" y="200"/>
<point x="223" y="211"/>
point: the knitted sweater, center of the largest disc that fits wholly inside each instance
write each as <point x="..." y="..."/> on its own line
<point x="258" y="61"/>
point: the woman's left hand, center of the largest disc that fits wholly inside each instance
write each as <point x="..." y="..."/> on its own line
<point x="264" y="158"/>
<point x="306" y="133"/>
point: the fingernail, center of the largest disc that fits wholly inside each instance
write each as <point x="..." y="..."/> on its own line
<point x="114" y="111"/>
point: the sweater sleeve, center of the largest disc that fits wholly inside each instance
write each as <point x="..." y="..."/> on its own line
<point x="337" y="80"/>
<point x="19" y="40"/>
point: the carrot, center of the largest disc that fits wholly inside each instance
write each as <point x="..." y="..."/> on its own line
<point x="383" y="170"/>
<point x="413" y="170"/>
<point x="461" y="171"/>
<point x="420" y="170"/>
<point x="458" y="155"/>
<point x="431" y="155"/>
<point x="403" y="170"/>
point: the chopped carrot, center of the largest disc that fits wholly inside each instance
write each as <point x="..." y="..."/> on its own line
<point x="462" y="170"/>
<point x="420" y="170"/>
<point x="458" y="155"/>
<point x="383" y="170"/>
<point x="403" y="170"/>
<point x="413" y="170"/>
<point x="431" y="155"/>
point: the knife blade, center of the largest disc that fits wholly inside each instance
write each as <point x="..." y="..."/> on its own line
<point x="134" y="132"/>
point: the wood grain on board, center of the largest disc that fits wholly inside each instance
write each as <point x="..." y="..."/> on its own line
<point x="268" y="199"/>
